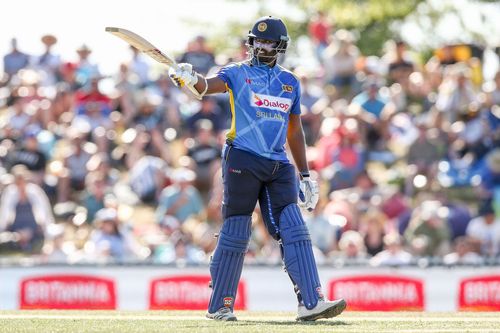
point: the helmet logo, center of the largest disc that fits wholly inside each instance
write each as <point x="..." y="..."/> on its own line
<point x="262" y="26"/>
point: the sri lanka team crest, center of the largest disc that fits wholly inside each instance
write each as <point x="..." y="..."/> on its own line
<point x="271" y="102"/>
<point x="287" y="88"/>
<point x="262" y="26"/>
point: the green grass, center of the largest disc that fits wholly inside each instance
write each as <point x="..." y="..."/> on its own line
<point x="252" y="322"/>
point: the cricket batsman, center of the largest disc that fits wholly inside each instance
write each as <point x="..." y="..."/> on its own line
<point x="265" y="110"/>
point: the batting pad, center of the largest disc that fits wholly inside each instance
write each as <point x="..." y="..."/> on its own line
<point x="227" y="261"/>
<point x="298" y="255"/>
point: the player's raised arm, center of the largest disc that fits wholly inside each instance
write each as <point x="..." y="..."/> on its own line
<point x="184" y="75"/>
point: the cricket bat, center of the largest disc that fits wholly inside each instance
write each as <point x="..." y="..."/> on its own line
<point x="146" y="47"/>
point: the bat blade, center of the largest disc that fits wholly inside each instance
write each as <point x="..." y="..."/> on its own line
<point x="142" y="45"/>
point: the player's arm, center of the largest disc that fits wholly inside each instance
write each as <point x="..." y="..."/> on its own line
<point x="309" y="191"/>
<point x="213" y="84"/>
<point x="297" y="144"/>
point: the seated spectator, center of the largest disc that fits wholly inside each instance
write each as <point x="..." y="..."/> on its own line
<point x="178" y="249"/>
<point x="456" y="94"/>
<point x="30" y="156"/>
<point x="484" y="231"/>
<point x="72" y="178"/>
<point x="400" y="67"/>
<point x="339" y="60"/>
<point x="199" y="55"/>
<point x="322" y="229"/>
<point x="208" y="110"/>
<point x="372" y="227"/>
<point x="428" y="233"/>
<point x="351" y="246"/>
<point x="464" y="253"/>
<point x="17" y="117"/>
<point x="393" y="254"/>
<point x="205" y="152"/>
<point x="56" y="249"/>
<point x="490" y="175"/>
<point x="93" y="198"/>
<point x="423" y="152"/>
<point x="181" y="199"/>
<point x="111" y="241"/>
<point x="348" y="158"/>
<point x="147" y="178"/>
<point x="25" y="212"/>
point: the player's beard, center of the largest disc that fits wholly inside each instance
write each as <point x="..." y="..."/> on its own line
<point x="264" y="57"/>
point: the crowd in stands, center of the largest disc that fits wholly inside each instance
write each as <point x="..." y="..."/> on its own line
<point x="406" y="152"/>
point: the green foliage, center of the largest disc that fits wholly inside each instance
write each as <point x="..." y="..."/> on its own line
<point x="372" y="19"/>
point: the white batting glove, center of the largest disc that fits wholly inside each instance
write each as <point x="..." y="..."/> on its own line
<point x="184" y="75"/>
<point x="308" y="193"/>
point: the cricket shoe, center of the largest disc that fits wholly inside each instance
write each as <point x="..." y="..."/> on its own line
<point x="324" y="309"/>
<point x="223" y="314"/>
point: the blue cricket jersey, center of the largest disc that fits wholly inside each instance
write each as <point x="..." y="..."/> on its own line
<point x="261" y="99"/>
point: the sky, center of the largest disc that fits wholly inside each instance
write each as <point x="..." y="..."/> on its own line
<point x="78" y="22"/>
<point x="167" y="24"/>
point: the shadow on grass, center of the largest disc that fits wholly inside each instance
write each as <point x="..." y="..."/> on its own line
<point x="293" y="323"/>
<point x="270" y="322"/>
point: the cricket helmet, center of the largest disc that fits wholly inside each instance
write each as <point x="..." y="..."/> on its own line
<point x="271" y="29"/>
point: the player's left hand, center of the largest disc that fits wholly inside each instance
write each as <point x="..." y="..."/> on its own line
<point x="308" y="193"/>
<point x="184" y="75"/>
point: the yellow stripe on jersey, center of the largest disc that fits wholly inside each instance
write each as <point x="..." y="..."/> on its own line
<point x="232" y="132"/>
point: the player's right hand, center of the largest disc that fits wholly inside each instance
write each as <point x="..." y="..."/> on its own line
<point x="183" y="75"/>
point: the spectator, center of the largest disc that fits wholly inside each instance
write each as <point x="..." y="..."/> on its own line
<point x="423" y="152"/>
<point x="48" y="63"/>
<point x="323" y="229"/>
<point x="464" y="253"/>
<point x="111" y="241"/>
<point x="85" y="69"/>
<point x="428" y="233"/>
<point x="351" y="246"/>
<point x="72" y="178"/>
<point x="339" y="60"/>
<point x="199" y="55"/>
<point x="208" y="110"/>
<point x="30" y="156"/>
<point x="17" y="118"/>
<point x="484" y="231"/>
<point x="15" y="60"/>
<point x="372" y="227"/>
<point x="93" y="198"/>
<point x="456" y="94"/>
<point x="25" y="212"/>
<point x="205" y="152"/>
<point x="147" y="177"/>
<point x="393" y="253"/>
<point x="181" y="199"/>
<point x="139" y="67"/>
<point x="400" y="67"/>
<point x="319" y="29"/>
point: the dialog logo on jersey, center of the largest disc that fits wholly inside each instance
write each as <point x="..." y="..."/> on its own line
<point x="271" y="102"/>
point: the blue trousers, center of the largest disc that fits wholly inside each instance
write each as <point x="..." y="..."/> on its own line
<point x="249" y="178"/>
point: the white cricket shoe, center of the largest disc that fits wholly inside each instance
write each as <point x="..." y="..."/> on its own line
<point x="223" y="314"/>
<point x="324" y="309"/>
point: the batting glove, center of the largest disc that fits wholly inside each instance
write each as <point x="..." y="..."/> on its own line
<point x="308" y="193"/>
<point x="183" y="75"/>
